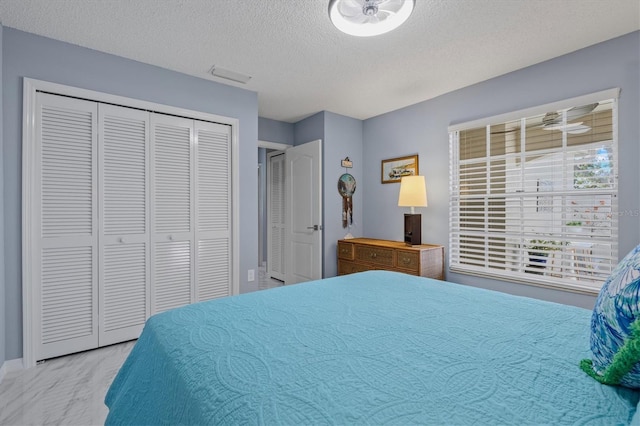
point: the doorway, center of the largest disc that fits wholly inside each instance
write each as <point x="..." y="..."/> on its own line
<point x="290" y="211"/>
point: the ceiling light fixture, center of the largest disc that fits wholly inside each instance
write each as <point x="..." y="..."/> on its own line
<point x="366" y="18"/>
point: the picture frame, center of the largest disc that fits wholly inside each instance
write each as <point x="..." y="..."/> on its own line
<point x="393" y="169"/>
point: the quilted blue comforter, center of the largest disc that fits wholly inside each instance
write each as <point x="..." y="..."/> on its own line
<point x="370" y="348"/>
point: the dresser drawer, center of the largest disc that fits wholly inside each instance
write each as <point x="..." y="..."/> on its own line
<point x="345" y="250"/>
<point x="409" y="260"/>
<point x="348" y="267"/>
<point x="376" y="255"/>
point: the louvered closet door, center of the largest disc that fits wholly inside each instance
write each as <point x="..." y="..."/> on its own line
<point x="172" y="194"/>
<point x="124" y="226"/>
<point x="213" y="210"/>
<point x="65" y="205"/>
<point x="275" y="257"/>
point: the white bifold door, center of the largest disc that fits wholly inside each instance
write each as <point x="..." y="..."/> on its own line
<point x="124" y="284"/>
<point x="66" y="223"/>
<point x="275" y="206"/>
<point x="132" y="212"/>
<point x="191" y="241"/>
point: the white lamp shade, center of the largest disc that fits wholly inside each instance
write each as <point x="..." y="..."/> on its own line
<point x="413" y="192"/>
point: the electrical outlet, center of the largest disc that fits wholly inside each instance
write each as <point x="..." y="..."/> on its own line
<point x="252" y="275"/>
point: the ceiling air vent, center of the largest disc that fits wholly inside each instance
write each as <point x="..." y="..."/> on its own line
<point x="229" y="75"/>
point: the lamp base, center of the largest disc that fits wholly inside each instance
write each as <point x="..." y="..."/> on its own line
<point x="412" y="229"/>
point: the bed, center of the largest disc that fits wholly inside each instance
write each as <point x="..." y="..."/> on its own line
<point x="370" y="348"/>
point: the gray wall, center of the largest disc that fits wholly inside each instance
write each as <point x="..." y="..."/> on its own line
<point x="3" y="300"/>
<point x="422" y="129"/>
<point x="28" y="55"/>
<point x="275" y="131"/>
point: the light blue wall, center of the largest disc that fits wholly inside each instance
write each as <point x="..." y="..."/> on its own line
<point x="275" y="131"/>
<point x="309" y="129"/>
<point x="342" y="138"/>
<point x="422" y="129"/>
<point x="28" y="55"/>
<point x="2" y="292"/>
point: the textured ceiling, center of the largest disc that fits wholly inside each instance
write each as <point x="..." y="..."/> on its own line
<point x="301" y="64"/>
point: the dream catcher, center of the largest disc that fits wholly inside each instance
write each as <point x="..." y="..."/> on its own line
<point x="346" y="188"/>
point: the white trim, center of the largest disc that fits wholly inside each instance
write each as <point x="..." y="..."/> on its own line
<point x="273" y="145"/>
<point x="514" y="278"/>
<point x="235" y="205"/>
<point x="10" y="365"/>
<point x="28" y="134"/>
<point x="539" y="109"/>
<point x="90" y="95"/>
<point x="30" y="87"/>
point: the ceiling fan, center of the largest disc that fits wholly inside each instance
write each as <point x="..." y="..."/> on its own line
<point x="364" y="18"/>
<point x="553" y="120"/>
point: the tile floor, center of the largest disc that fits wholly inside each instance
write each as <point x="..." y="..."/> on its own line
<point x="70" y="390"/>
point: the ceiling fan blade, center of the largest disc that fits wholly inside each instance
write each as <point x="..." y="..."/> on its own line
<point x="502" y="132"/>
<point x="580" y="111"/>
<point x="579" y="129"/>
<point x="384" y="14"/>
<point x="360" y="19"/>
<point x="373" y="19"/>
<point x="392" y="6"/>
<point x="350" y="8"/>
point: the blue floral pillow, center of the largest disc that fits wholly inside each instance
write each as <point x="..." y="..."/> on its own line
<point x="615" y="327"/>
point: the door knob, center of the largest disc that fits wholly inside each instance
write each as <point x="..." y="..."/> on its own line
<point x="314" y="227"/>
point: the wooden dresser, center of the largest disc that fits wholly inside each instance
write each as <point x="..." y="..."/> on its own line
<point x="365" y="254"/>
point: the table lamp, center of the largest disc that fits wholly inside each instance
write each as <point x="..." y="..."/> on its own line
<point x="413" y="193"/>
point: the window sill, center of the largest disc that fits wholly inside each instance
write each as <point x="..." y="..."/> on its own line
<point x="574" y="287"/>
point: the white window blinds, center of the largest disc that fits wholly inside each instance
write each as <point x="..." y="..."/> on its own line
<point x="533" y="195"/>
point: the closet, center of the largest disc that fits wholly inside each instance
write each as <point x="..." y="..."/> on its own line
<point x="276" y="232"/>
<point x="130" y="216"/>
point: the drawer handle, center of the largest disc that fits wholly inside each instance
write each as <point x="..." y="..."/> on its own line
<point x="406" y="260"/>
<point x="374" y="255"/>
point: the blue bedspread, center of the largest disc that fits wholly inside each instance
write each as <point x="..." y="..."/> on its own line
<point x="369" y="348"/>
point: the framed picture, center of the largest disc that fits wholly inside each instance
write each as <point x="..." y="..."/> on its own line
<point x="394" y="169"/>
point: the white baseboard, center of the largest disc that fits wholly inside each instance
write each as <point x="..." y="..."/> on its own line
<point x="9" y="366"/>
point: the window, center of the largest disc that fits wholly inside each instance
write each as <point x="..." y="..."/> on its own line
<point x="534" y="194"/>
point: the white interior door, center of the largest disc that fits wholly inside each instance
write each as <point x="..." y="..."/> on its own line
<point x="303" y="212"/>
<point x="276" y="237"/>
